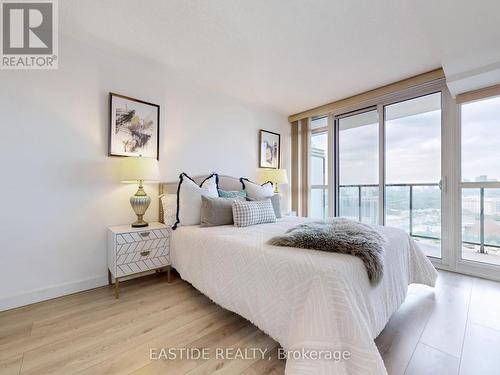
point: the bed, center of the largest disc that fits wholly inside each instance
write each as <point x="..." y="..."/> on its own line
<point x="311" y="302"/>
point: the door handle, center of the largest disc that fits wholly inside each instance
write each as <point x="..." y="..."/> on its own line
<point x="443" y="185"/>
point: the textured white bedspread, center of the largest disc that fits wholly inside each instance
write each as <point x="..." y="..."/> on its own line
<point x="304" y="299"/>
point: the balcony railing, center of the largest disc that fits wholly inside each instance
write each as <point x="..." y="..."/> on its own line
<point x="411" y="205"/>
<point x="482" y="244"/>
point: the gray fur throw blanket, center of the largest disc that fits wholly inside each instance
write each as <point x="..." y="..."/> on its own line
<point x="339" y="235"/>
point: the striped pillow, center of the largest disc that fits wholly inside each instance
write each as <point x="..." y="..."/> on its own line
<point x="247" y="213"/>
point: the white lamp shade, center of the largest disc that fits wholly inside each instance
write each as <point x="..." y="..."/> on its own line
<point x="135" y="168"/>
<point x="276" y="176"/>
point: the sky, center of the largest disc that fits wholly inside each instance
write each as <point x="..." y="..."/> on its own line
<point x="481" y="139"/>
<point x="413" y="147"/>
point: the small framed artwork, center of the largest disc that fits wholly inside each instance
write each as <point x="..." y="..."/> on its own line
<point x="269" y="151"/>
<point x="134" y="127"/>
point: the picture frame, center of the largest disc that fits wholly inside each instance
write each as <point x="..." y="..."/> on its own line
<point x="269" y="149"/>
<point x="134" y="127"/>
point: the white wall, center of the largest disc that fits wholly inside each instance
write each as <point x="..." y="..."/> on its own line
<point x="59" y="188"/>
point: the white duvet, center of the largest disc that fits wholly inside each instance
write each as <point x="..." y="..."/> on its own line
<point x="304" y="299"/>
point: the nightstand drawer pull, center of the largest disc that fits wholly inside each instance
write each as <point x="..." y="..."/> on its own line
<point x="144" y="234"/>
<point x="144" y="253"/>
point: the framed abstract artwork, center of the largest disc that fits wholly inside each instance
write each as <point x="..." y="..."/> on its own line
<point x="269" y="149"/>
<point x="134" y="127"/>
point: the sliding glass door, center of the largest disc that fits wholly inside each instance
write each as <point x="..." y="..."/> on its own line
<point x="393" y="165"/>
<point x="358" y="166"/>
<point x="413" y="169"/>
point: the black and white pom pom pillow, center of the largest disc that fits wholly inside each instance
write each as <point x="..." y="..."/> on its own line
<point x="247" y="213"/>
<point x="256" y="191"/>
<point x="189" y="195"/>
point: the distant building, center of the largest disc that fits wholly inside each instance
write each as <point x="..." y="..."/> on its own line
<point x="484" y="178"/>
<point x="473" y="204"/>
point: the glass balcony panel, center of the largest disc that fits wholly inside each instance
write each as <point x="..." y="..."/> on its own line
<point x="471" y="208"/>
<point x="369" y="204"/>
<point x="397" y="203"/>
<point x="492" y="218"/>
<point x="319" y="203"/>
<point x="481" y="231"/>
<point x="426" y="209"/>
<point x="349" y="202"/>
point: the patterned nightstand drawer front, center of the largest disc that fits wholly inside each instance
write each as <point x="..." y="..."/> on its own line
<point x="141" y="251"/>
<point x="135" y="250"/>
<point x="141" y="246"/>
<point x="130" y="238"/>
<point x="146" y="260"/>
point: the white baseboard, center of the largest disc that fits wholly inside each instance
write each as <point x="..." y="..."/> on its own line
<point x="38" y="295"/>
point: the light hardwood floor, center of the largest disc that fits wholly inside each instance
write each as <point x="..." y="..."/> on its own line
<point x="452" y="329"/>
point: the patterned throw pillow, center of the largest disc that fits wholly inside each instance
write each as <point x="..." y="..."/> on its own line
<point x="232" y="194"/>
<point x="275" y="201"/>
<point x="247" y="213"/>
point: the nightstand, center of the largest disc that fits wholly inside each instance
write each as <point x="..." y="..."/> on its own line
<point x="133" y="251"/>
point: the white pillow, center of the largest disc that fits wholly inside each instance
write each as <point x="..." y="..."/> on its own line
<point x="169" y="204"/>
<point x="189" y="198"/>
<point x="256" y="191"/>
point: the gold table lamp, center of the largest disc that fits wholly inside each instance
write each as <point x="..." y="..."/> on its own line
<point x="140" y="170"/>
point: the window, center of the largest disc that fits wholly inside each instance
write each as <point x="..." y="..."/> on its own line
<point x="419" y="160"/>
<point x="319" y="168"/>
<point x="481" y="141"/>
<point x="480" y="185"/>
<point x="388" y="169"/>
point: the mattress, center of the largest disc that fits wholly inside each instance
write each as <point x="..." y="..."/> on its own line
<point x="307" y="300"/>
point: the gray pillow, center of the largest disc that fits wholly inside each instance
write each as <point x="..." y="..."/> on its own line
<point x="216" y="211"/>
<point x="276" y="202"/>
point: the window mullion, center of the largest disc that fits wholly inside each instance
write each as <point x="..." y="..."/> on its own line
<point x="381" y="163"/>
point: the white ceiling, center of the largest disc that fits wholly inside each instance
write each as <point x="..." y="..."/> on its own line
<point x="465" y="35"/>
<point x="292" y="55"/>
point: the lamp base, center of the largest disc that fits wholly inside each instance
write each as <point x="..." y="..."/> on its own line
<point x="140" y="203"/>
<point x="139" y="223"/>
